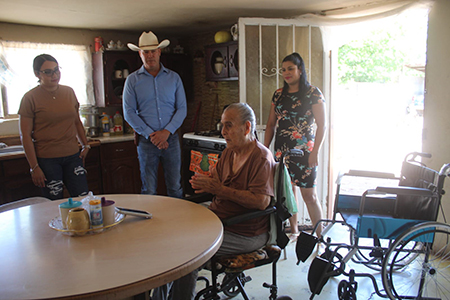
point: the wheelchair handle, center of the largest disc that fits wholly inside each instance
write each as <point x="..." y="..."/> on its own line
<point x="415" y="154"/>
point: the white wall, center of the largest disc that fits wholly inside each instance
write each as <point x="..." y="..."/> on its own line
<point x="437" y="97"/>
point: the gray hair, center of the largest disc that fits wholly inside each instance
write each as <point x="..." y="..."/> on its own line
<point x="245" y="113"/>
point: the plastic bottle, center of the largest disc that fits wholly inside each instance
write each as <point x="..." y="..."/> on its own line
<point x="95" y="209"/>
<point x="105" y="124"/>
<point x="118" y="123"/>
<point x="111" y="126"/>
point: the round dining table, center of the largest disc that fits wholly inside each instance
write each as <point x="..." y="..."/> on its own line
<point x="133" y="257"/>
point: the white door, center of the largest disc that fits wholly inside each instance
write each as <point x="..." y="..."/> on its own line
<point x="263" y="43"/>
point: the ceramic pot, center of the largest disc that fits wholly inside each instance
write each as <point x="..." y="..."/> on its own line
<point x="218" y="67"/>
<point x="78" y="219"/>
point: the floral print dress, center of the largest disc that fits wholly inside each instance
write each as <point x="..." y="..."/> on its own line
<point x="295" y="130"/>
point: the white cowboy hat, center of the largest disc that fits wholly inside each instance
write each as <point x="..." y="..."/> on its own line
<point x="148" y="41"/>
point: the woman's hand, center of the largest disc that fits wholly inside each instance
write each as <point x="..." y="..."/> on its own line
<point x="313" y="160"/>
<point x="83" y="153"/>
<point x="206" y="184"/>
<point x="38" y="177"/>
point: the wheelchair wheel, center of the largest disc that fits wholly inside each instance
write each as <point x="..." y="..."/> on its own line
<point x="346" y="291"/>
<point x="206" y="294"/>
<point x="232" y="290"/>
<point x="428" y="276"/>
<point x="363" y="255"/>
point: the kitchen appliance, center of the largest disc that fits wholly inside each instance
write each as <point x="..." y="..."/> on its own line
<point x="205" y="142"/>
<point x="91" y="120"/>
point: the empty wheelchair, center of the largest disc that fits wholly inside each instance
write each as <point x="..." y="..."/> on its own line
<point x="233" y="266"/>
<point x="392" y="230"/>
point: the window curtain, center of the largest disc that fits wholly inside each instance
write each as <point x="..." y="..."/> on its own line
<point x="16" y="61"/>
<point x="337" y="25"/>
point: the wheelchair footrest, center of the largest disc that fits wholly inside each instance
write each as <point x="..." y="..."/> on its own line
<point x="245" y="279"/>
<point x="305" y="246"/>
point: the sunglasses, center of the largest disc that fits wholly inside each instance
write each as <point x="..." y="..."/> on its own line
<point x="50" y="72"/>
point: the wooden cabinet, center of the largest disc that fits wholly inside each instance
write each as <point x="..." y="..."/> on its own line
<point x="94" y="171"/>
<point x="16" y="183"/>
<point x="107" y="87"/>
<point x="222" y="61"/>
<point x="120" y="168"/>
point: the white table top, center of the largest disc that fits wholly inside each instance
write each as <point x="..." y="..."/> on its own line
<point x="137" y="255"/>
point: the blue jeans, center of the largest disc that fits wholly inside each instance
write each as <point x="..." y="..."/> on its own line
<point x="150" y="157"/>
<point x="63" y="171"/>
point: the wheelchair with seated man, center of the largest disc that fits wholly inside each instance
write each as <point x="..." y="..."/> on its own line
<point x="233" y="266"/>
<point x="393" y="231"/>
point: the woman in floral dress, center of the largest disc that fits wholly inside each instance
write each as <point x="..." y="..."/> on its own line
<point x="295" y="109"/>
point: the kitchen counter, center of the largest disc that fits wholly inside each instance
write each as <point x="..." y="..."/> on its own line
<point x="20" y="154"/>
<point x="114" y="139"/>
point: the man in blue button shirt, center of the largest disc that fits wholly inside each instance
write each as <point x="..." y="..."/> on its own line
<point x="154" y="104"/>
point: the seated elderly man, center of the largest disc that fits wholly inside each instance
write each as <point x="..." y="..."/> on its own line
<point x="241" y="182"/>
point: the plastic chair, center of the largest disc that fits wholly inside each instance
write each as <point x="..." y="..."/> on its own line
<point x="21" y="203"/>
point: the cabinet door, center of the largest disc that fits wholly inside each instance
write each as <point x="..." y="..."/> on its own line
<point x="120" y="168"/>
<point x="121" y="177"/>
<point x="18" y="183"/>
<point x="93" y="168"/>
<point x="216" y="63"/>
<point x="222" y="62"/>
<point x="108" y="86"/>
<point x="233" y="59"/>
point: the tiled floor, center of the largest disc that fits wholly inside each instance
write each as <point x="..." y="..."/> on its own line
<point x="292" y="278"/>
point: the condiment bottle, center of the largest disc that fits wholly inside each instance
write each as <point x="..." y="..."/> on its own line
<point x="95" y="208"/>
<point x="105" y="124"/>
<point x="118" y="124"/>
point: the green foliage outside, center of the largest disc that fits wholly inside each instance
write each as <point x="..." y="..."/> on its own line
<point x="382" y="55"/>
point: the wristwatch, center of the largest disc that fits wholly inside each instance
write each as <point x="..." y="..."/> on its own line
<point x="86" y="146"/>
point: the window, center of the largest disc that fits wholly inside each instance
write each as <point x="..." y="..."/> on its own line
<point x="17" y="76"/>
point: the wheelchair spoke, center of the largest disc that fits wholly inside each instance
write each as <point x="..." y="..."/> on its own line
<point x="428" y="276"/>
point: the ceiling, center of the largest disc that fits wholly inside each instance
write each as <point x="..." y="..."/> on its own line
<point x="172" y="17"/>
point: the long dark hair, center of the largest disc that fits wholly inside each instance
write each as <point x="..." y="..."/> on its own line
<point x="303" y="85"/>
<point x="39" y="61"/>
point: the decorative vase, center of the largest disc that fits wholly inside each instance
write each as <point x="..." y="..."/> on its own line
<point x="218" y="65"/>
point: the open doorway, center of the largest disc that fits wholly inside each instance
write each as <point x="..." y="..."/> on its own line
<point x="377" y="102"/>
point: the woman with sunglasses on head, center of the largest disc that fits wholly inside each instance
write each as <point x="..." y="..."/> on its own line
<point x="50" y="129"/>
<point x="295" y="109"/>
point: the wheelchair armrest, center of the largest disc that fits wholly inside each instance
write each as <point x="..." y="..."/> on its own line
<point x="199" y="198"/>
<point x="368" y="174"/>
<point x="400" y="190"/>
<point x="405" y="190"/>
<point x="248" y="216"/>
<point x="361" y="173"/>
